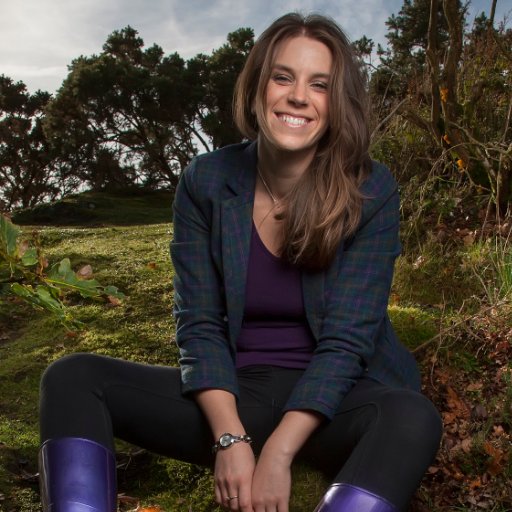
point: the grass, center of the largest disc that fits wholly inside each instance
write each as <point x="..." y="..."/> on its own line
<point x="127" y="207"/>
<point x="127" y="245"/>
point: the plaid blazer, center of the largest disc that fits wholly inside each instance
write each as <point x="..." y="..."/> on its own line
<point x="346" y="306"/>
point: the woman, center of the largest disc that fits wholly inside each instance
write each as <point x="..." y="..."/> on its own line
<point x="283" y="250"/>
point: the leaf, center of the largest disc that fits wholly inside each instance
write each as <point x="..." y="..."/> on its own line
<point x="30" y="257"/>
<point x="62" y="276"/>
<point x="466" y="444"/>
<point x="113" y="300"/>
<point x="85" y="272"/>
<point x="113" y="291"/>
<point x="497" y="456"/>
<point x="41" y="298"/>
<point x="8" y="236"/>
<point x="456" y="404"/>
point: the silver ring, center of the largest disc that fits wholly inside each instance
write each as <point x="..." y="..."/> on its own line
<point x="232" y="498"/>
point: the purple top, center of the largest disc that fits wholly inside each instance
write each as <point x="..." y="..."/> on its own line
<point x="274" y="328"/>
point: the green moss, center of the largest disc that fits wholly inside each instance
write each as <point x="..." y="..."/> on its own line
<point x="413" y="325"/>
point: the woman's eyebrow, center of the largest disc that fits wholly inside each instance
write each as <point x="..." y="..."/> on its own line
<point x="287" y="69"/>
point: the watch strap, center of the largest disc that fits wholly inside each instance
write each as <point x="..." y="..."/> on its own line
<point x="227" y="440"/>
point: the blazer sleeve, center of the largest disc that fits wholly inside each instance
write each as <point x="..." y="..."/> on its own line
<point x="357" y="293"/>
<point x="201" y="329"/>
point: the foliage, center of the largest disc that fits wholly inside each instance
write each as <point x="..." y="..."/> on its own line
<point x="27" y="171"/>
<point x="452" y="84"/>
<point x="130" y="115"/>
<point x="465" y="369"/>
<point x="23" y="274"/>
<point x="217" y="77"/>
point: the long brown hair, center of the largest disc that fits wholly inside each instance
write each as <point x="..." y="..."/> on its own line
<point x="325" y="205"/>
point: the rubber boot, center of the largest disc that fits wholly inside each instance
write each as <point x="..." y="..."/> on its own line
<point x="348" y="498"/>
<point x="77" y="475"/>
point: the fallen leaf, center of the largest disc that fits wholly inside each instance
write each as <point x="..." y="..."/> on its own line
<point x="114" y="300"/>
<point x="456" y="404"/>
<point x="23" y="247"/>
<point x="419" y="262"/>
<point x="152" y="265"/>
<point x="495" y="465"/>
<point x="475" y="386"/>
<point x="469" y="240"/>
<point x="466" y="444"/>
<point x="477" y="482"/>
<point x="85" y="272"/>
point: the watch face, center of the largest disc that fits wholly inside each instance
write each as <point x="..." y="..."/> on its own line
<point x="225" y="440"/>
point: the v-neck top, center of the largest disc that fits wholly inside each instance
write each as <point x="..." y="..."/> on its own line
<point x="275" y="330"/>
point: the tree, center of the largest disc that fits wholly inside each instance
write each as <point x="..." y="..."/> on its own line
<point x="453" y="85"/>
<point x="27" y="170"/>
<point x="217" y="76"/>
<point x="129" y="104"/>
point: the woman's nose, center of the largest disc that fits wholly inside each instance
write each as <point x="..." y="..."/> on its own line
<point x="298" y="93"/>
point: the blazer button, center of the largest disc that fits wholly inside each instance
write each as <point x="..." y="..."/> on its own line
<point x="225" y="319"/>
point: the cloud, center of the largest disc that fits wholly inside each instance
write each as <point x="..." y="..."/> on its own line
<point x="39" y="38"/>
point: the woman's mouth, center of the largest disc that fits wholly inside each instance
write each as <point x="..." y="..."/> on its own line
<point x="293" y="121"/>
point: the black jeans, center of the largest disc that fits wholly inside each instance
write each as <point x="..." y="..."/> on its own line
<point x="381" y="439"/>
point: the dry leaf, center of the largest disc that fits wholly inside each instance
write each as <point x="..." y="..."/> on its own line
<point x="495" y="465"/>
<point x="475" y="386"/>
<point x="475" y="483"/>
<point x="85" y="272"/>
<point x="456" y="404"/>
<point x="151" y="265"/>
<point x="23" y="247"/>
<point x="114" y="300"/>
<point x="466" y="444"/>
<point x="469" y="239"/>
<point x="419" y="262"/>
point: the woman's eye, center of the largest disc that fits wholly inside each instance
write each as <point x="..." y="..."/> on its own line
<point x="281" y="78"/>
<point x="320" y="85"/>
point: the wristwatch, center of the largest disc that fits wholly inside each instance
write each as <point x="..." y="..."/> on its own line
<point x="226" y="440"/>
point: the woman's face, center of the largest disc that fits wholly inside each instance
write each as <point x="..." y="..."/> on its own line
<point x="297" y="98"/>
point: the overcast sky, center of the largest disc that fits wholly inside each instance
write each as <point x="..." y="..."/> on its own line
<point x="39" y="38"/>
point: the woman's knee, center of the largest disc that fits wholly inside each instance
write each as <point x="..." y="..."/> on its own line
<point x="79" y="369"/>
<point x="412" y="417"/>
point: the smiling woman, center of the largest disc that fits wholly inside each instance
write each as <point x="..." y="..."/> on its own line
<point x="283" y="252"/>
<point x="296" y="99"/>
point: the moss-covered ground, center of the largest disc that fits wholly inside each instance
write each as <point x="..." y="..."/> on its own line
<point x="465" y="356"/>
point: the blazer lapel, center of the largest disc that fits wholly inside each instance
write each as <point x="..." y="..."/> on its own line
<point x="236" y="228"/>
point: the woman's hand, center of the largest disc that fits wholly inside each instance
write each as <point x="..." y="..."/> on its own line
<point x="234" y="468"/>
<point x="272" y="479"/>
<point x="272" y="482"/>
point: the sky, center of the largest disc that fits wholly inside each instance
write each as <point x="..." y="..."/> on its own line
<point x="40" y="38"/>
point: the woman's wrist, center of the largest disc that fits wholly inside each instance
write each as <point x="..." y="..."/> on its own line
<point x="280" y="452"/>
<point x="291" y="434"/>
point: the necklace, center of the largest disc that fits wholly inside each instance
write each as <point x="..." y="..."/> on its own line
<point x="267" y="188"/>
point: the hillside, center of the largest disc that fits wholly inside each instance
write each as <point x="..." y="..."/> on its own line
<point x="128" y="207"/>
<point x="125" y="238"/>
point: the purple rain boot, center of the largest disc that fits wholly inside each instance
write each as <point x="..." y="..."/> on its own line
<point x="348" y="498"/>
<point x="77" y="475"/>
